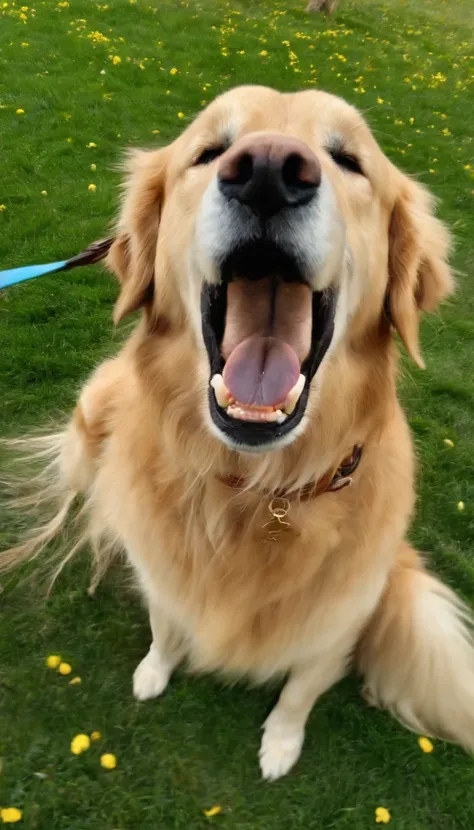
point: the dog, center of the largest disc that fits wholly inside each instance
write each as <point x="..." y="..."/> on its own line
<point x="246" y="447"/>
<point x="322" y="5"/>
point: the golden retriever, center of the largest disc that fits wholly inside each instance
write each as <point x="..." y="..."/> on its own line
<point x="272" y="249"/>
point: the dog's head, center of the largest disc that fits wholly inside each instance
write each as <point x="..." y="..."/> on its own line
<point x="274" y="228"/>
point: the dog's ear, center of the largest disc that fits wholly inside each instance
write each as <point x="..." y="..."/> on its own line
<point x="132" y="255"/>
<point x="419" y="274"/>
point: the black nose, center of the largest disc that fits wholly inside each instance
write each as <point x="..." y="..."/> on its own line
<point x="269" y="173"/>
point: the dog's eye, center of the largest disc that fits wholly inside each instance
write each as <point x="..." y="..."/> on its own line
<point x="210" y="154"/>
<point x="346" y="161"/>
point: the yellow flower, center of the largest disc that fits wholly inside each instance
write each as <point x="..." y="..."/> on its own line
<point x="411" y="121"/>
<point x="91" y="144"/>
<point x="44" y="192"/>
<point x="108" y="761"/>
<point x="64" y="668"/>
<point x="20" y="111"/>
<point x="467" y="166"/>
<point x="461" y="506"/>
<point x="79" y="744"/>
<point x="173" y="71"/>
<point x="425" y="744"/>
<point x="75" y="681"/>
<point x="10" y="815"/>
<point x="155" y="132"/>
<point x="2" y="208"/>
<point x="53" y="660"/>
<point x="116" y="60"/>
<point x="380" y="100"/>
<point x="448" y="443"/>
<point x="263" y="53"/>
<point x="95" y="736"/>
<point x="180" y="114"/>
<point x="24" y="44"/>
<point x="63" y="5"/>
<point x="93" y="167"/>
<point x="445" y="131"/>
<point x="92" y="188"/>
<point x="213" y="811"/>
<point x="382" y="815"/>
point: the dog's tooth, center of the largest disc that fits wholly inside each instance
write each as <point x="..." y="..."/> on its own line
<point x="280" y="416"/>
<point x="294" y="395"/>
<point x="223" y="396"/>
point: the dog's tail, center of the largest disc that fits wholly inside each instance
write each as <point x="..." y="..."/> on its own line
<point x="48" y="492"/>
<point x="417" y="654"/>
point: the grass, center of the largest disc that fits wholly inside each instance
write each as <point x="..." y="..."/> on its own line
<point x="197" y="747"/>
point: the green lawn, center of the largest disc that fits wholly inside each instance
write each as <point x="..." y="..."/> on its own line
<point x="409" y="66"/>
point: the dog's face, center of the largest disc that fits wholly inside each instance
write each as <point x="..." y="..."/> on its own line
<point x="273" y="226"/>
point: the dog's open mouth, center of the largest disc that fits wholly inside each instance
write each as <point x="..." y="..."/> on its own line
<point x="266" y="332"/>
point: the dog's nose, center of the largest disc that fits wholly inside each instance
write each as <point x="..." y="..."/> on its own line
<point x="269" y="173"/>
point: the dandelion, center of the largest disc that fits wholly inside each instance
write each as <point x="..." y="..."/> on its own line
<point x="92" y="188"/>
<point x="213" y="811"/>
<point x="411" y="121"/>
<point x="80" y="743"/>
<point x="91" y="144"/>
<point x="173" y="71"/>
<point x="108" y="761"/>
<point x="445" y="131"/>
<point x="76" y="681"/>
<point x="467" y="166"/>
<point x="461" y="506"/>
<point x="20" y="111"/>
<point x="448" y="443"/>
<point x="95" y="736"/>
<point x="2" y="208"/>
<point x="425" y="745"/>
<point x="10" y="815"/>
<point x="93" y="167"/>
<point x="382" y="815"/>
<point x="155" y="132"/>
<point x="380" y="100"/>
<point x="64" y="668"/>
<point x="263" y="53"/>
<point x="116" y="60"/>
<point x="69" y="140"/>
<point x="53" y="660"/>
<point x="180" y="114"/>
<point x="24" y="44"/>
<point x="44" y="192"/>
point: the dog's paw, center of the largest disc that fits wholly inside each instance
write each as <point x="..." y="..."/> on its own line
<point x="151" y="676"/>
<point x="280" y="747"/>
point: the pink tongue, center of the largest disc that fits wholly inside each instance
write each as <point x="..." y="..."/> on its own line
<point x="260" y="371"/>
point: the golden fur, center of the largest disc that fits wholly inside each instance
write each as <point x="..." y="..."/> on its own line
<point x="341" y="586"/>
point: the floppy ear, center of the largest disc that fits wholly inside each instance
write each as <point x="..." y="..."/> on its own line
<point x="132" y="255"/>
<point x="419" y="275"/>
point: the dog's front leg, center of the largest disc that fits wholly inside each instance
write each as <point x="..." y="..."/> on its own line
<point x="167" y="649"/>
<point x="283" y="731"/>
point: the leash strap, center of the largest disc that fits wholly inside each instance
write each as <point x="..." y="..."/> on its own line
<point x="93" y="253"/>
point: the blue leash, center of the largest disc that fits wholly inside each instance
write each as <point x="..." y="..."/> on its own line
<point x="93" y="253"/>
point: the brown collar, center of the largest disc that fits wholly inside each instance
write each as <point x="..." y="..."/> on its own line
<point x="332" y="480"/>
